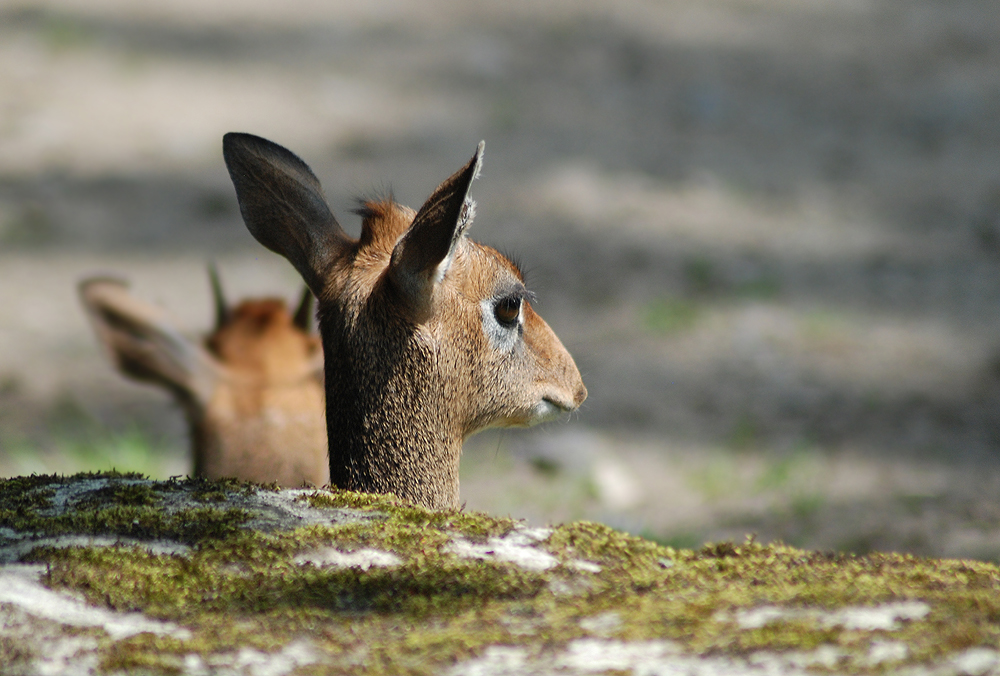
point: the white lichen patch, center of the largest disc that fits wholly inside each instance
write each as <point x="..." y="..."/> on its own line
<point x="16" y="548"/>
<point x="595" y="656"/>
<point x="886" y="617"/>
<point x="52" y="654"/>
<point x="289" y="509"/>
<point x="249" y="662"/>
<point x="20" y="586"/>
<point x="825" y="656"/>
<point x="584" y="566"/>
<point x="977" y="662"/>
<point x="653" y="658"/>
<point x="66" y="494"/>
<point x="882" y="652"/>
<point x="361" y="558"/>
<point x="520" y="547"/>
<point x="640" y="658"/>
<point x="603" y="624"/>
<point x="499" y="660"/>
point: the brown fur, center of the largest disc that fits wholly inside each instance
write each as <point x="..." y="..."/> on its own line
<point x="417" y="359"/>
<point x="252" y="392"/>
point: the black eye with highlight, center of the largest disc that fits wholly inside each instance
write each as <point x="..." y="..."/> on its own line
<point x="507" y="310"/>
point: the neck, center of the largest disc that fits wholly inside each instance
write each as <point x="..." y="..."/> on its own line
<point x="385" y="430"/>
<point x="375" y="456"/>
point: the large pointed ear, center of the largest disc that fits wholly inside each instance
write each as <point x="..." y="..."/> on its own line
<point x="423" y="255"/>
<point x="283" y="205"/>
<point x="142" y="344"/>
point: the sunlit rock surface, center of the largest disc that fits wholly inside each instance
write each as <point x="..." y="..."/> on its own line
<point x="113" y="573"/>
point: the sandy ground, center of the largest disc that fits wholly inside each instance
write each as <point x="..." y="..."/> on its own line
<point x="768" y="230"/>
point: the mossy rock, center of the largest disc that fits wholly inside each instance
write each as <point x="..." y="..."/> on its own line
<point x="113" y="573"/>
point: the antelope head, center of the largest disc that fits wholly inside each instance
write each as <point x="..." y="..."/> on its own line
<point x="429" y="337"/>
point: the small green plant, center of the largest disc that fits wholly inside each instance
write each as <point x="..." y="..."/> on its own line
<point x="669" y="316"/>
<point x="31" y="228"/>
<point x="547" y="467"/>
<point x="745" y="433"/>
<point x="700" y="274"/>
<point x="786" y="469"/>
<point x="62" y="33"/>
<point x="807" y="505"/>
<point x="718" y="476"/>
<point x="826" y="329"/>
<point x="763" y="287"/>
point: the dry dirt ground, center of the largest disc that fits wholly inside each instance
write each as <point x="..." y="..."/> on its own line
<point x="768" y="230"/>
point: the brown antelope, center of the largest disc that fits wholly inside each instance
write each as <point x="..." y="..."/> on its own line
<point x="252" y="390"/>
<point x="429" y="337"/>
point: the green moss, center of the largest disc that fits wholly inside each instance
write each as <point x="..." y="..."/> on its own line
<point x="219" y="490"/>
<point x="472" y="525"/>
<point x="242" y="587"/>
<point x="125" y="505"/>
<point x="146" y="654"/>
<point x="124" y="494"/>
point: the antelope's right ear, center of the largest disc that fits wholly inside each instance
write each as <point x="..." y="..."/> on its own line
<point x="283" y="205"/>
<point x="142" y="343"/>
<point x="304" y="313"/>
<point x="423" y="255"/>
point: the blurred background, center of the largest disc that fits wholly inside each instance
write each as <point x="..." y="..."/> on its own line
<point x="768" y="231"/>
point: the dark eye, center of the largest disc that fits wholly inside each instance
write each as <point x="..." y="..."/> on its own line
<point x="507" y="310"/>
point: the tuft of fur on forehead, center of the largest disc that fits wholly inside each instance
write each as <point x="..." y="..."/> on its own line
<point x="383" y="222"/>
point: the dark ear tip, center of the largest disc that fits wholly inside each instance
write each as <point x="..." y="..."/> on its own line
<point x="477" y="160"/>
<point x="238" y="142"/>
<point x="231" y="139"/>
<point x="240" y="149"/>
<point x="235" y="141"/>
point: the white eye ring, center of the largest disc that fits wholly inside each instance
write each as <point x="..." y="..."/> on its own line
<point x="507" y="311"/>
<point x="502" y="319"/>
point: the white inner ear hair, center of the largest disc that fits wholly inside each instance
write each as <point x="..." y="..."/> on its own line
<point x="465" y="217"/>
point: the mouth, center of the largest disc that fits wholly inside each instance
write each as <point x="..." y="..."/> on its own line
<point x="560" y="405"/>
<point x="549" y="409"/>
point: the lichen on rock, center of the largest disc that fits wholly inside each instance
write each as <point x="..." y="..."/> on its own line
<point x="118" y="574"/>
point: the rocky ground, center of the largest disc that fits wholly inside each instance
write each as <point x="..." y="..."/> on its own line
<point x="111" y="573"/>
<point x="769" y="232"/>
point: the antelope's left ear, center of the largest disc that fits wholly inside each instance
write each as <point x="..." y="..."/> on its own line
<point x="283" y="205"/>
<point x="423" y="255"/>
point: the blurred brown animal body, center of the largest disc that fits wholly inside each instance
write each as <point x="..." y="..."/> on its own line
<point x="252" y="391"/>
<point x="429" y="337"/>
